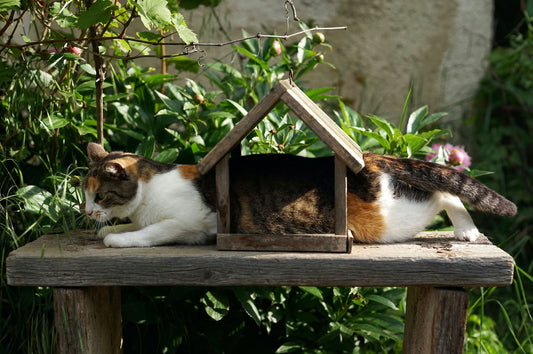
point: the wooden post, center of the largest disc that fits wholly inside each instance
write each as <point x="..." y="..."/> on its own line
<point x="341" y="188"/>
<point x="88" y="320"/>
<point x="222" y="192"/>
<point x="340" y="197"/>
<point x="435" y="320"/>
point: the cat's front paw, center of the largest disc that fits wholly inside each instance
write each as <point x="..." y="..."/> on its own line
<point x="116" y="240"/>
<point x="469" y="234"/>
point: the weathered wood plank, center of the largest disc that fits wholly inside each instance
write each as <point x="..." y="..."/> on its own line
<point x="431" y="259"/>
<point x="435" y="320"/>
<point x="88" y="320"/>
<point x="241" y="129"/>
<point x="291" y="243"/>
<point x="222" y="192"/>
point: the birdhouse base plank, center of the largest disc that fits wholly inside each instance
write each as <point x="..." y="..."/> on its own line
<point x="330" y="243"/>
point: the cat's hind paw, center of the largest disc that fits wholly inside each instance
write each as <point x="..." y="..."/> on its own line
<point x="469" y="234"/>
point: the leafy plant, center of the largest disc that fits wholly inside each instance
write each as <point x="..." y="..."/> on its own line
<point x="503" y="125"/>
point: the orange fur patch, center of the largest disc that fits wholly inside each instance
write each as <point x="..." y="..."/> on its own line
<point x="364" y="219"/>
<point x="92" y="184"/>
<point x="188" y="171"/>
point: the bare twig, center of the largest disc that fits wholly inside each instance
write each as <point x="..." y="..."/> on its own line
<point x="160" y="43"/>
<point x="294" y="16"/>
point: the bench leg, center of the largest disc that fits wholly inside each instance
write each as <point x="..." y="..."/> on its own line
<point x="88" y="320"/>
<point x="435" y="320"/>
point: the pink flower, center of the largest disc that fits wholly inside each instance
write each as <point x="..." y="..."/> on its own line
<point x="74" y="50"/>
<point x="276" y="46"/>
<point x="456" y="156"/>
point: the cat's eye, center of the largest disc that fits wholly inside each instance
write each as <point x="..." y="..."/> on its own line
<point x="99" y="196"/>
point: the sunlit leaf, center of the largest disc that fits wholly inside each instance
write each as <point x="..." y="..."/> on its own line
<point x="184" y="32"/>
<point x="8" y="4"/>
<point x="154" y="13"/>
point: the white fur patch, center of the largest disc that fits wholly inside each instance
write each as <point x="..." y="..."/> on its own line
<point x="167" y="209"/>
<point x="405" y="218"/>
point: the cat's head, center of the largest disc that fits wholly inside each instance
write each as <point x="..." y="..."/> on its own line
<point x="111" y="185"/>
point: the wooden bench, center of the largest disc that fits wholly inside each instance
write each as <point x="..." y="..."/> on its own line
<point x="87" y="277"/>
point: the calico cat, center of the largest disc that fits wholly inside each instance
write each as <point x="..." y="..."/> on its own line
<point x="390" y="200"/>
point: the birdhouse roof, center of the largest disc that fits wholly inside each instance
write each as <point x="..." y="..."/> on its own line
<point x="305" y="109"/>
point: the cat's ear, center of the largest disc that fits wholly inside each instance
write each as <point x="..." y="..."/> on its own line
<point x="115" y="169"/>
<point x="96" y="152"/>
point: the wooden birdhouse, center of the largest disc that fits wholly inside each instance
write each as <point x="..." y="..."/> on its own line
<point x="347" y="155"/>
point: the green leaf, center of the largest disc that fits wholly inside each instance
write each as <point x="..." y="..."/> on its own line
<point x="317" y="94"/>
<point x="184" y="32"/>
<point x="64" y="17"/>
<point x="154" y="13"/>
<point x="88" y="68"/>
<point x="383" y="124"/>
<point x="382" y="300"/>
<point x="54" y="122"/>
<point x="432" y="118"/>
<point x="167" y="156"/>
<point x="263" y="64"/>
<point x="99" y="12"/>
<point x="381" y="140"/>
<point x="290" y="347"/>
<point x="216" y="305"/>
<point x="35" y="199"/>
<point x="413" y="123"/>
<point x="185" y="64"/>
<point x="8" y="5"/>
<point x="89" y="86"/>
<point x="149" y="36"/>
<point x="477" y="173"/>
<point x="238" y="106"/>
<point x="406" y="104"/>
<point x="414" y="143"/>
<point x="172" y="105"/>
<point x="313" y="291"/>
<point x="248" y="305"/>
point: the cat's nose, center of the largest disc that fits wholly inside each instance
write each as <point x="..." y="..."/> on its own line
<point x="89" y="212"/>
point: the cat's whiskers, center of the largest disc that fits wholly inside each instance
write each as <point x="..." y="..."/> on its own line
<point x="82" y="222"/>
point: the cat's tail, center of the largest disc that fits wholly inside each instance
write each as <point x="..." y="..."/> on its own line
<point x="432" y="177"/>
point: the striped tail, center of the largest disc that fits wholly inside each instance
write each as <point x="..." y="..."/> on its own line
<point x="433" y="177"/>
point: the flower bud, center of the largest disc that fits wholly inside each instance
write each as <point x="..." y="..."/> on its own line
<point x="73" y="50"/>
<point x="457" y="157"/>
<point x="276" y="47"/>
